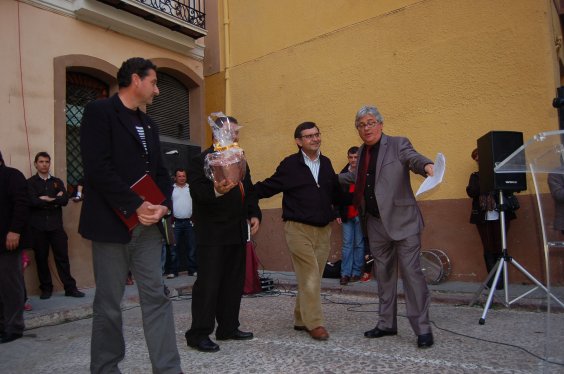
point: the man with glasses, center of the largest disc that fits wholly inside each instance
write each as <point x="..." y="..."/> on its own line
<point x="384" y="195"/>
<point x="311" y="196"/>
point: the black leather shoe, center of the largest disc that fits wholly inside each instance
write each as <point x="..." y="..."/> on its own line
<point x="377" y="333"/>
<point x="205" y="345"/>
<point x="45" y="295"/>
<point x="74" y="293"/>
<point x="238" y="335"/>
<point x="10" y="337"/>
<point x="425" y="340"/>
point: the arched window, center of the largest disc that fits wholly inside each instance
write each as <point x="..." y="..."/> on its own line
<point x="81" y="89"/>
<point x="170" y="110"/>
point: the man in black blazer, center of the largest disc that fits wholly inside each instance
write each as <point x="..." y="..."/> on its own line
<point x="119" y="145"/>
<point x="14" y="216"/>
<point x="220" y="214"/>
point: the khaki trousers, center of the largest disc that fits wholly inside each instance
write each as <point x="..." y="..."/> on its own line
<point x="309" y="248"/>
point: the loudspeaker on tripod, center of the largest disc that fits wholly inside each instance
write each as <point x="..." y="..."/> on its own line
<point x="494" y="147"/>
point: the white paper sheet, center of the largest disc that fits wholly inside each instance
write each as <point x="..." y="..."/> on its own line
<point x="439" y="171"/>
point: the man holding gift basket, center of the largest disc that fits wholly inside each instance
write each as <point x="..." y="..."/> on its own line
<point x="312" y="195"/>
<point x="224" y="206"/>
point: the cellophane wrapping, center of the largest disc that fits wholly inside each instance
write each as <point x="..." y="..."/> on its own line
<point x="228" y="161"/>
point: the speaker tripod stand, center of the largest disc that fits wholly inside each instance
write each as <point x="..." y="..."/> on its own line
<point x="502" y="264"/>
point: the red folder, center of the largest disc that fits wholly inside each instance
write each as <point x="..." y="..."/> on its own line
<point x="148" y="190"/>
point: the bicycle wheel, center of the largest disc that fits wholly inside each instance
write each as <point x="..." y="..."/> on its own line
<point x="432" y="267"/>
<point x="435" y="265"/>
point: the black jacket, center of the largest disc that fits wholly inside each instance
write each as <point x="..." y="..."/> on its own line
<point x="478" y="215"/>
<point x="220" y="220"/>
<point x="304" y="200"/>
<point x="47" y="215"/>
<point x="114" y="158"/>
<point x="347" y="198"/>
<point x="14" y="203"/>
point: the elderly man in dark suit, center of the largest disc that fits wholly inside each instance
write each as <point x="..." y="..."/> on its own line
<point x="393" y="220"/>
<point x="221" y="212"/>
<point x="14" y="215"/>
<point x="120" y="144"/>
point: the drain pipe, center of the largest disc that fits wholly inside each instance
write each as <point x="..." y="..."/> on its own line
<point x="227" y="59"/>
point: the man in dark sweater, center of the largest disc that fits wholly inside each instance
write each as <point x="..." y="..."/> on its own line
<point x="13" y="222"/>
<point x="48" y="196"/>
<point x="311" y="195"/>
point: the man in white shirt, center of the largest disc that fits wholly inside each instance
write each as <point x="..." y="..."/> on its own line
<point x="183" y="226"/>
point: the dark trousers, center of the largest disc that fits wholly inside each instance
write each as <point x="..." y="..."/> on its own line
<point x="11" y="293"/>
<point x="217" y="292"/>
<point x="490" y="235"/>
<point x="58" y="241"/>
<point x="184" y="236"/>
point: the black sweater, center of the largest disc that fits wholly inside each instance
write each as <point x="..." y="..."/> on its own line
<point x="304" y="200"/>
<point x="14" y="205"/>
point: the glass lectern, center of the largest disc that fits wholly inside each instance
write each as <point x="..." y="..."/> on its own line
<point x="543" y="158"/>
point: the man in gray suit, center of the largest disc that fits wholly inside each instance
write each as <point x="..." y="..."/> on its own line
<point x="393" y="222"/>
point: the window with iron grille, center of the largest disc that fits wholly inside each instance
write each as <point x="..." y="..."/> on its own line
<point x="81" y="89"/>
<point x="170" y="109"/>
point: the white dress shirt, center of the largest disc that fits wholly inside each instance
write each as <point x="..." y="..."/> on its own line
<point x="181" y="202"/>
<point x="313" y="165"/>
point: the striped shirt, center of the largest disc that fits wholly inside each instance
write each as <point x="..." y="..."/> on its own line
<point x="141" y="133"/>
<point x="313" y="165"/>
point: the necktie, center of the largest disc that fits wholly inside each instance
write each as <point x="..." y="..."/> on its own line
<point x="361" y="177"/>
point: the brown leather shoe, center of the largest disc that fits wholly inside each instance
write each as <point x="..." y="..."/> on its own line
<point x="354" y="279"/>
<point x="300" y="328"/>
<point x="319" y="333"/>
<point x="344" y="280"/>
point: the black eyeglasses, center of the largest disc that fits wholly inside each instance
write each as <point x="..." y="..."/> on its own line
<point x="311" y="136"/>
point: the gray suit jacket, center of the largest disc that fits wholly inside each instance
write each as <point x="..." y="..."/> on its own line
<point x="398" y="208"/>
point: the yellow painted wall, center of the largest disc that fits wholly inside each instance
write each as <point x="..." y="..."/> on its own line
<point x="442" y="72"/>
<point x="215" y="99"/>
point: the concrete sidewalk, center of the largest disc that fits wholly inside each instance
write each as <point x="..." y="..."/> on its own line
<point x="60" y="309"/>
<point x="516" y="340"/>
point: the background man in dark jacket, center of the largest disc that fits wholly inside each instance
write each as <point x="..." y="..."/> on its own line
<point x="311" y="195"/>
<point x="14" y="215"/>
<point x="48" y="197"/>
<point x="221" y="212"/>
<point x="119" y="145"/>
<point x="485" y="215"/>
<point x="352" y="253"/>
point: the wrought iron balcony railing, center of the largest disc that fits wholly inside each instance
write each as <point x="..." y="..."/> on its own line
<point x="185" y="16"/>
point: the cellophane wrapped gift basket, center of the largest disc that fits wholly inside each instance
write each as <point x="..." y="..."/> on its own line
<point x="228" y="161"/>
